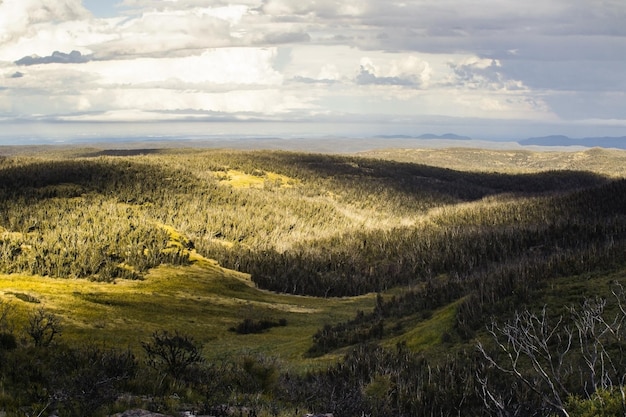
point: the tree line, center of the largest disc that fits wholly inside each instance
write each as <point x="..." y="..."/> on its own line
<point x="552" y="362"/>
<point x="344" y="226"/>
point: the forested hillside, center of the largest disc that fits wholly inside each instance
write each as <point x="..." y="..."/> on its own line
<point x="327" y="283"/>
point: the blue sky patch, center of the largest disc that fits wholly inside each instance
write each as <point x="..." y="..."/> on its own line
<point x="102" y="8"/>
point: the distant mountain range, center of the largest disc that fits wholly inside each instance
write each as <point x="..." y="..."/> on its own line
<point x="553" y="140"/>
<point x="450" y="136"/>
<point x="560" y="140"/>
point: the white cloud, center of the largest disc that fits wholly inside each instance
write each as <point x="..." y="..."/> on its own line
<point x="182" y="105"/>
<point x="234" y="66"/>
<point x="166" y="33"/>
<point x="311" y="8"/>
<point x="328" y="71"/>
<point x="506" y="59"/>
<point x="28" y="27"/>
<point x="482" y="73"/>
<point x="21" y="17"/>
<point x="406" y="70"/>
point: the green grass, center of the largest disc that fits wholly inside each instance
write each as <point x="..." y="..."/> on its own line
<point x="202" y="300"/>
<point x="205" y="300"/>
<point x="427" y="334"/>
<point x="571" y="291"/>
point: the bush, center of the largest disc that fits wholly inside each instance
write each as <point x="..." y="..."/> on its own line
<point x="248" y="326"/>
<point x="43" y="327"/>
<point x="172" y="354"/>
<point x="7" y="341"/>
<point x="604" y="403"/>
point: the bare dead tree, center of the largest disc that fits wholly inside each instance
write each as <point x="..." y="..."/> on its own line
<point x="172" y="354"/>
<point x="502" y="403"/>
<point x="602" y="337"/>
<point x="43" y="327"/>
<point x="535" y="352"/>
<point x="593" y="333"/>
<point x="543" y="354"/>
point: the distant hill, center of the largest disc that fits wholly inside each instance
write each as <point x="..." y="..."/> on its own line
<point x="449" y="136"/>
<point x="444" y="136"/>
<point x="560" y="140"/>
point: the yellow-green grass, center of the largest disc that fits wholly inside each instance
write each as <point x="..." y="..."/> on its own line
<point x="205" y="300"/>
<point x="426" y="334"/>
<point x="202" y="300"/>
<point x="571" y="291"/>
<point x="240" y="179"/>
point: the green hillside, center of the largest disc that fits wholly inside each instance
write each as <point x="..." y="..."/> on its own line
<point x="328" y="283"/>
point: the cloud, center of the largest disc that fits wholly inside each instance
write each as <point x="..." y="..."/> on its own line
<point x="30" y="27"/>
<point x="484" y="73"/>
<point x="109" y="104"/>
<point x="166" y="33"/>
<point x="166" y="30"/>
<point x="285" y="37"/>
<point x="408" y="71"/>
<point x="584" y="105"/>
<point x="307" y="80"/>
<point x="396" y="59"/>
<point x="224" y="79"/>
<point x="22" y="17"/>
<point x="231" y="66"/>
<point x="313" y="8"/>
<point x="366" y="77"/>
<point x="138" y="6"/>
<point x="567" y="76"/>
<point x="74" y="57"/>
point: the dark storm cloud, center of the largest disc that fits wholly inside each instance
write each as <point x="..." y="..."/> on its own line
<point x="587" y="105"/>
<point x="74" y="57"/>
<point x="572" y="75"/>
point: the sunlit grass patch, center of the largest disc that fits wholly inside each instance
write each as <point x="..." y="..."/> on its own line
<point x="202" y="300"/>
<point x="177" y="240"/>
<point x="349" y="219"/>
<point x="427" y="334"/>
<point x="256" y="179"/>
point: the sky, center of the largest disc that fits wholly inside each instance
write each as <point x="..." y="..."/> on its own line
<point x="482" y="68"/>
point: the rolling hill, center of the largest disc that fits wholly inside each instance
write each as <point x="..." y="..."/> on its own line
<point x="308" y="281"/>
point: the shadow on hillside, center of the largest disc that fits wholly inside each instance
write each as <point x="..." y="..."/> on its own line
<point x="122" y="152"/>
<point x="410" y="179"/>
<point x="369" y="175"/>
<point x="124" y="179"/>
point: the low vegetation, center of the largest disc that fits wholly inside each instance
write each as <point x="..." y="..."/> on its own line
<point x="276" y="282"/>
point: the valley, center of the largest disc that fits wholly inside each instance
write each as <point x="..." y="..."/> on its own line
<point x="322" y="282"/>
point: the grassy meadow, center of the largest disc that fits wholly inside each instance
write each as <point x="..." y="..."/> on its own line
<point x="203" y="300"/>
<point x="375" y="265"/>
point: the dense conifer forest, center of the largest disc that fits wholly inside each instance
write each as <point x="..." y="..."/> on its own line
<point x="280" y="283"/>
